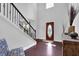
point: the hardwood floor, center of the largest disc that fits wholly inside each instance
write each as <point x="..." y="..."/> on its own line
<point x="45" y="49"/>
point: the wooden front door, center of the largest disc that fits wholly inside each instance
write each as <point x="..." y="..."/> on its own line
<point x="50" y="31"/>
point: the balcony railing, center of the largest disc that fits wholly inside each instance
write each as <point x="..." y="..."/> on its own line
<point x="10" y="11"/>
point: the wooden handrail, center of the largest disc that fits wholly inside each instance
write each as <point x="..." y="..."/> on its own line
<point x="22" y="16"/>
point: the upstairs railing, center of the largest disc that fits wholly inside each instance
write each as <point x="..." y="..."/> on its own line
<point x="10" y="11"/>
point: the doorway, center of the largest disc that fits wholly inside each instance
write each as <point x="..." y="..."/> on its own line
<point x="50" y="31"/>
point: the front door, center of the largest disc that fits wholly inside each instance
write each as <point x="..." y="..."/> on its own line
<point x="50" y="31"/>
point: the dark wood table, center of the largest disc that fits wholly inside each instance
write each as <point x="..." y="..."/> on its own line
<point x="71" y="47"/>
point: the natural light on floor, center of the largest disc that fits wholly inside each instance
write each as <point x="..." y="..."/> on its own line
<point x="50" y="48"/>
<point x="50" y="44"/>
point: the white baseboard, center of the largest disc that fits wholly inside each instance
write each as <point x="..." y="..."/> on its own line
<point x="54" y="40"/>
<point x="25" y="48"/>
<point x="58" y="40"/>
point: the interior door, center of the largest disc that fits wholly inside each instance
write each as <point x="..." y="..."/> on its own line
<point x="50" y="31"/>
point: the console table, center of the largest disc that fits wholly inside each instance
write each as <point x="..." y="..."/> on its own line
<point x="71" y="47"/>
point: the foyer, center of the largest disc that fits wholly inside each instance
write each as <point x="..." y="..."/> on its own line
<point x="38" y="30"/>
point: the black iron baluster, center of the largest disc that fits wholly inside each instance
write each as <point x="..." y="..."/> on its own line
<point x="7" y="10"/>
<point x="15" y="16"/>
<point x="0" y="7"/>
<point x="4" y="9"/>
<point x="10" y="12"/>
<point x="18" y="19"/>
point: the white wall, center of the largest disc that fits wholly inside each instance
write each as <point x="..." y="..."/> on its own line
<point x="29" y="10"/>
<point x="14" y="37"/>
<point x="37" y="12"/>
<point x="57" y="14"/>
<point x="33" y="23"/>
<point x="76" y="23"/>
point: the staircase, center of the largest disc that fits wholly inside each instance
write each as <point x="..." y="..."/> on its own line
<point x="10" y="11"/>
<point x="15" y="28"/>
